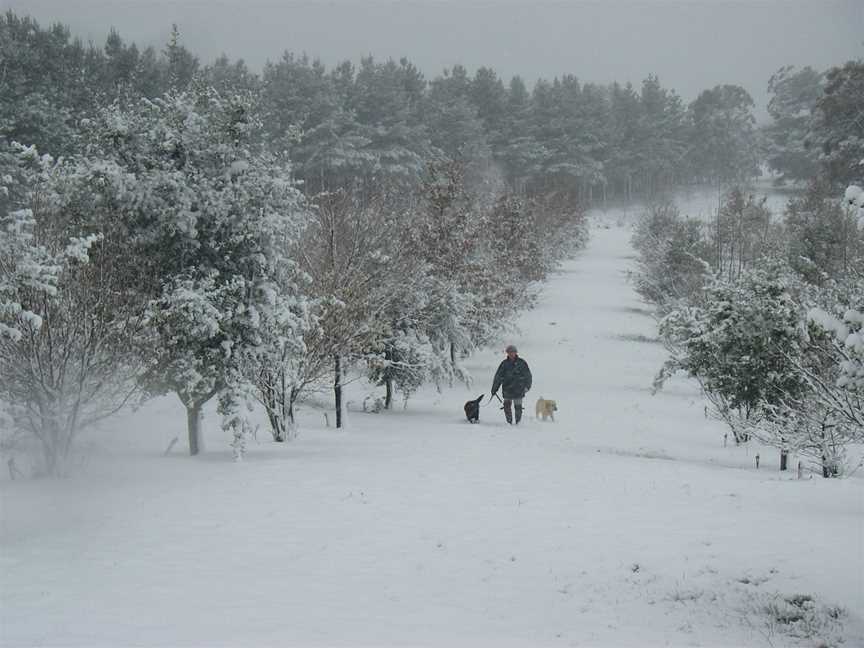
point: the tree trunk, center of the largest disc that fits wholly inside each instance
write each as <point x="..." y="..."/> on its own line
<point x="718" y="230"/>
<point x="272" y="407"/>
<point x="452" y="360"/>
<point x="193" y="425"/>
<point x="277" y="426"/>
<point x="291" y="400"/>
<point x="388" y="399"/>
<point x="828" y="469"/>
<point x="51" y="454"/>
<point x="337" y="390"/>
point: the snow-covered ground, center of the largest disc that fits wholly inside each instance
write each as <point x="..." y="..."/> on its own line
<point x="624" y="523"/>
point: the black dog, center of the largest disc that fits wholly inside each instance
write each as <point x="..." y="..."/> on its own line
<point x="472" y="409"/>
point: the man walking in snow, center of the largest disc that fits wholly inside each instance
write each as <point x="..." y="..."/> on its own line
<point x="514" y="378"/>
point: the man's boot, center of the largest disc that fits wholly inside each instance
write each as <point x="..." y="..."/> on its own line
<point x="518" y="414"/>
<point x="508" y="414"/>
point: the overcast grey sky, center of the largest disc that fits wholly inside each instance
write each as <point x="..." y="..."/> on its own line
<point x="690" y="44"/>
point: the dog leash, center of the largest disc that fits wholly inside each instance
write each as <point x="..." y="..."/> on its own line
<point x="499" y="400"/>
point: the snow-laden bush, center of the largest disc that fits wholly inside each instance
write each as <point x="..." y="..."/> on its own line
<point x="404" y="366"/>
<point x="742" y="233"/>
<point x="797" y="618"/>
<point x="824" y="239"/>
<point x="67" y="315"/>
<point x="835" y="375"/>
<point x="672" y="265"/>
<point x="741" y="343"/>
<point x="854" y="198"/>
<point x="771" y="369"/>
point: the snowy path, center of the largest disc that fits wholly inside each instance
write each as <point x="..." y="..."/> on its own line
<point x="625" y="523"/>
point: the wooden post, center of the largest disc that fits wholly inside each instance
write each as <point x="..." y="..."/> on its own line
<point x="13" y="469"/>
<point x="170" y="445"/>
<point x="337" y="390"/>
<point x="757" y="459"/>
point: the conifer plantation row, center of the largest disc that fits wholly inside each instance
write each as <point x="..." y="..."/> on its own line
<point x="766" y="312"/>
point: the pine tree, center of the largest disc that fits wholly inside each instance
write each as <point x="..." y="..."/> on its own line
<point x="723" y="139"/>
<point x="794" y="95"/>
<point x="839" y="124"/>
<point x="210" y="217"/>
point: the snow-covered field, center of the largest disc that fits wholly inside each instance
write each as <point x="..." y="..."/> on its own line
<point x="624" y="523"/>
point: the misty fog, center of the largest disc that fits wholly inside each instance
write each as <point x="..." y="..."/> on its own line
<point x="259" y="258"/>
<point x="689" y="44"/>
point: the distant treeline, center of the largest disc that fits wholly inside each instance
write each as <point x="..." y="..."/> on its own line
<point x="383" y="118"/>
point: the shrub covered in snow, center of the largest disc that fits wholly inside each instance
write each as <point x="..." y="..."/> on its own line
<point x="740" y="342"/>
<point x="673" y="250"/>
<point x="68" y="315"/>
<point x="773" y="365"/>
<point x="854" y="198"/>
<point x="824" y="239"/>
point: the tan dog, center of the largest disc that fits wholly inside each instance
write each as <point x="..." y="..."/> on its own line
<point x="545" y="409"/>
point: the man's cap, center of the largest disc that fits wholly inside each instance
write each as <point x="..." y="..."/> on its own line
<point x="511" y="348"/>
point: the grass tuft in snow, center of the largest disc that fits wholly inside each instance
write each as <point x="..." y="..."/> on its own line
<point x="799" y="617"/>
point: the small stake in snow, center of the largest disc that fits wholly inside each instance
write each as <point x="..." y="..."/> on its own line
<point x="757" y="459"/>
<point x="800" y="470"/>
<point x="725" y="438"/>
<point x="13" y="469"/>
<point x="170" y="445"/>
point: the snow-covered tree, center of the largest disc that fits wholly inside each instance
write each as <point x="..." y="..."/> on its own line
<point x="446" y="234"/>
<point x="827" y="415"/>
<point x="406" y="362"/>
<point x="794" y="94"/>
<point x="672" y="266"/>
<point x="40" y="92"/>
<point x="741" y="342"/>
<point x="772" y="370"/>
<point x="489" y="96"/>
<point x="386" y="101"/>
<point x="193" y="329"/>
<point x="278" y="367"/>
<point x="181" y="64"/>
<point x="854" y="199"/>
<point x="838" y="128"/>
<point x="212" y="217"/>
<point x="825" y="239"/>
<point x="354" y="255"/>
<point x="660" y="138"/>
<point x="455" y="127"/>
<point x="742" y="233"/>
<point x="67" y="316"/>
<point x="724" y="144"/>
<point x="847" y="353"/>
<point x="840" y="318"/>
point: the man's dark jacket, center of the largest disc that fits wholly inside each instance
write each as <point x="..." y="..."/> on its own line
<point x="514" y="377"/>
